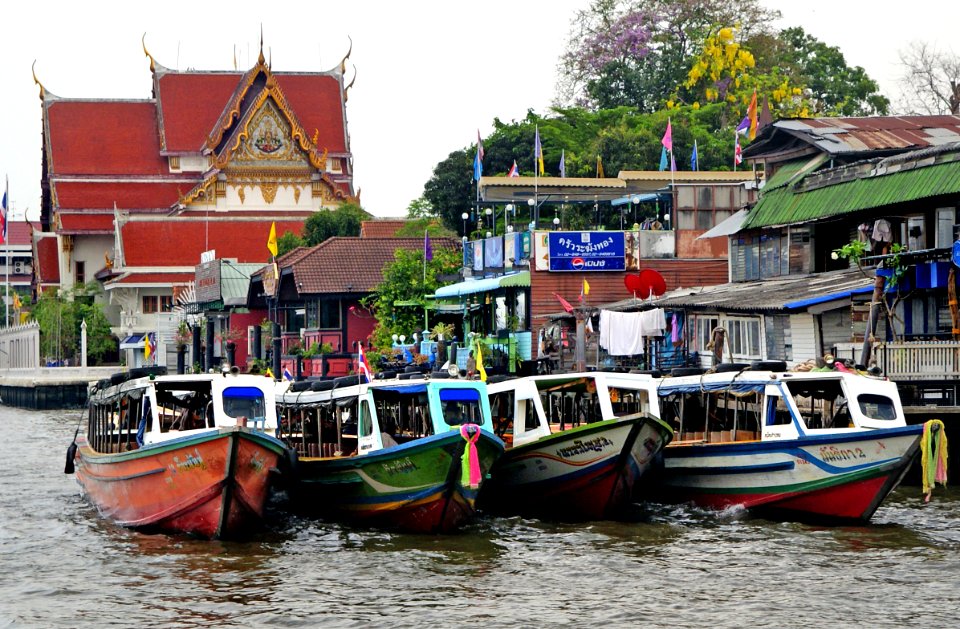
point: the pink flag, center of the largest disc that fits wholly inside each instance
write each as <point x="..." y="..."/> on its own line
<point x="667" y="140"/>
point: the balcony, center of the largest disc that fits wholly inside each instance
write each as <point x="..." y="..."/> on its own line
<point x="905" y="361"/>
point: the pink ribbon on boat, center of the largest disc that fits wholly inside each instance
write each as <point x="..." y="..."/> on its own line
<point x="469" y="461"/>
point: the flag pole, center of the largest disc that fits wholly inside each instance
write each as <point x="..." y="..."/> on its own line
<point x="6" y="249"/>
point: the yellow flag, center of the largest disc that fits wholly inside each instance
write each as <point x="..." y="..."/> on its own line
<point x="16" y="301"/>
<point x="599" y="167"/>
<point x="146" y="347"/>
<point x="586" y="287"/>
<point x="272" y="240"/>
<point x="480" y="369"/>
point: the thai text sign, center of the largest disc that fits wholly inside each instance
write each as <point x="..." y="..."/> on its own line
<point x="586" y="251"/>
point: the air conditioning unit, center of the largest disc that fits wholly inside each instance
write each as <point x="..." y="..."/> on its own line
<point x="18" y="267"/>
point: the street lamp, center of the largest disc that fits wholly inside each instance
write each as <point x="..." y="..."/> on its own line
<point x="533" y="207"/>
<point x="556" y="222"/>
<point x="636" y="201"/>
<point x="489" y="212"/>
<point x="509" y="209"/>
<point x="464" y="218"/>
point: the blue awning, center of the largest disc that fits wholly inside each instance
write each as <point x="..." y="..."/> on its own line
<point x="406" y="389"/>
<point x="819" y="299"/>
<point x="469" y="287"/>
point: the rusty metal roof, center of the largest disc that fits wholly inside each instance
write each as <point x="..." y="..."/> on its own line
<point x="868" y="135"/>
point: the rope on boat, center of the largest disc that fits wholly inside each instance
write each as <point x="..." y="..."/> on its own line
<point x="933" y="456"/>
<point x="469" y="461"/>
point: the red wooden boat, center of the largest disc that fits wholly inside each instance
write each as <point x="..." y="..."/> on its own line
<point x="184" y="454"/>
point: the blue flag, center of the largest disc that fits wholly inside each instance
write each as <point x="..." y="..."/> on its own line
<point x="427" y="247"/>
<point x="693" y="157"/>
<point x="477" y="167"/>
<point x="663" y="158"/>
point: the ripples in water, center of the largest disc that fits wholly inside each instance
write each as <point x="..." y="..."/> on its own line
<point x="665" y="566"/>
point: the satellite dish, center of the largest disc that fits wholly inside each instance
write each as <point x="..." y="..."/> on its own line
<point x="632" y="282"/>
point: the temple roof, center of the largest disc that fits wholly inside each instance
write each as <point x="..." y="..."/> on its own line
<point x="178" y="242"/>
<point x="46" y="263"/>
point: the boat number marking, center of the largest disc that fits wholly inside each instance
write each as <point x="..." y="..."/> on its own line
<point x="400" y="466"/>
<point x="833" y="453"/>
<point x="192" y="461"/>
<point x="582" y="447"/>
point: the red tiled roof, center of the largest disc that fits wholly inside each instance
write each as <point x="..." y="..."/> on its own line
<point x="381" y="228"/>
<point x="353" y="265"/>
<point x="47" y="267"/>
<point x="104" y="137"/>
<point x="317" y="103"/>
<point x="190" y="103"/>
<point x="19" y="233"/>
<point x="82" y="195"/>
<point x="86" y="223"/>
<point x="165" y="279"/>
<point x="179" y="242"/>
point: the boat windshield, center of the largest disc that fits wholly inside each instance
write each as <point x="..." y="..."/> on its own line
<point x="244" y="402"/>
<point x="461" y="406"/>
<point x="822" y="403"/>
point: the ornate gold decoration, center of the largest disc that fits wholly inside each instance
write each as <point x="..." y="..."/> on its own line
<point x="269" y="190"/>
<point x="43" y="92"/>
<point x="343" y="63"/>
<point x="66" y="244"/>
<point x="241" y="194"/>
<point x="347" y="88"/>
<point x="221" y="189"/>
<point x="296" y="194"/>
<point x="153" y="64"/>
<point x="174" y="162"/>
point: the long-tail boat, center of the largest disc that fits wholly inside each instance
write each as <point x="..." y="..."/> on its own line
<point x="582" y="457"/>
<point x="184" y="454"/>
<point x="402" y="454"/>
<point x="817" y="445"/>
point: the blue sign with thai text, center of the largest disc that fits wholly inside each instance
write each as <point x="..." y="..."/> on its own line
<point x="586" y="251"/>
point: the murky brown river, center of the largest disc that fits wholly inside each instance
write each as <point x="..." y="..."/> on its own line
<point x="61" y="565"/>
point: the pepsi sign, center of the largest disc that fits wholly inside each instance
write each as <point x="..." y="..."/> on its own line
<point x="586" y="251"/>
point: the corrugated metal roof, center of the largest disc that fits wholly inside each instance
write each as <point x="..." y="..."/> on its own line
<point x="871" y="134"/>
<point x="847" y="189"/>
<point x="793" y="292"/>
<point x="687" y="176"/>
<point x="547" y="182"/>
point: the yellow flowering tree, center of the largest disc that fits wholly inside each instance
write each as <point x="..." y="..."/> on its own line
<point x="725" y="72"/>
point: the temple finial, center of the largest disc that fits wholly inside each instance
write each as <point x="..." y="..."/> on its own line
<point x="153" y="65"/>
<point x="343" y="63"/>
<point x="43" y="92"/>
<point x="260" y="59"/>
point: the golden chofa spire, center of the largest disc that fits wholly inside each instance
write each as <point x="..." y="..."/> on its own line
<point x="343" y="63"/>
<point x="43" y="92"/>
<point x="153" y="63"/>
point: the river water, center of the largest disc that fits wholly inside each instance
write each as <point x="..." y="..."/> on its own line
<point x="61" y="565"/>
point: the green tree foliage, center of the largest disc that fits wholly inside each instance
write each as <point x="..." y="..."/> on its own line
<point x="288" y="242"/>
<point x="416" y="228"/>
<point x="635" y="52"/>
<point x="403" y="281"/>
<point x="419" y="208"/>
<point x="342" y="221"/>
<point x="451" y="190"/>
<point x="833" y="87"/>
<point x="60" y="317"/>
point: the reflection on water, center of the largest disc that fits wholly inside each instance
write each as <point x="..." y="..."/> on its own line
<point x="664" y="566"/>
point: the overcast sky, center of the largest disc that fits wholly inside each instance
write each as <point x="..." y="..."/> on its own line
<point x="430" y="74"/>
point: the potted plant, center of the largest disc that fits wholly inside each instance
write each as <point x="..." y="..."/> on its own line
<point x="441" y="333"/>
<point x="228" y="338"/>
<point x="181" y="338"/>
